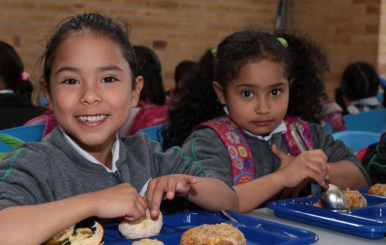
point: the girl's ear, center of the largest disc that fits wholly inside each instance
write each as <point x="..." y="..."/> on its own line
<point x="44" y="90"/>
<point x="136" y="91"/>
<point x="219" y="91"/>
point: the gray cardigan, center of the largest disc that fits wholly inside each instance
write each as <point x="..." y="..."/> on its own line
<point x="206" y="147"/>
<point x="39" y="172"/>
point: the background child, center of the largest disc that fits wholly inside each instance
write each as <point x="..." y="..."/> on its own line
<point x="82" y="169"/>
<point x="359" y="88"/>
<point x="15" y="90"/>
<point x="265" y="84"/>
<point x="152" y="109"/>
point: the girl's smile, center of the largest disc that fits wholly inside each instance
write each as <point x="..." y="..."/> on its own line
<point x="91" y="91"/>
<point x="92" y="120"/>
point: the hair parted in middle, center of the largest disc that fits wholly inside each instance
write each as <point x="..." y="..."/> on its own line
<point x="101" y="26"/>
<point x="303" y="62"/>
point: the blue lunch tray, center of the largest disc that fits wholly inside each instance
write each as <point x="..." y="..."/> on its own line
<point x="256" y="231"/>
<point x="368" y="222"/>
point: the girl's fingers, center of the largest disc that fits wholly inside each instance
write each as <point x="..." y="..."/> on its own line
<point x="150" y="190"/>
<point x="171" y="188"/>
<point x="157" y="197"/>
<point x="320" y="179"/>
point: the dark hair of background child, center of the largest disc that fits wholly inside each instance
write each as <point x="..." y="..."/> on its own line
<point x="181" y="70"/>
<point x="149" y="67"/>
<point x="359" y="80"/>
<point x="11" y="68"/>
<point x="303" y="62"/>
<point x="101" y="26"/>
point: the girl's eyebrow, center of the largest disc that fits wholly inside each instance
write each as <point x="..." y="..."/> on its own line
<point x="66" y="68"/>
<point x="249" y="85"/>
<point x="73" y="69"/>
<point x="110" y="68"/>
<point x="277" y="85"/>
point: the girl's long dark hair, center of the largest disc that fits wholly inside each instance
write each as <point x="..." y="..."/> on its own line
<point x="149" y="67"/>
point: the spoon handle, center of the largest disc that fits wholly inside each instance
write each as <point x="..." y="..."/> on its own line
<point x="229" y="216"/>
<point x="300" y="141"/>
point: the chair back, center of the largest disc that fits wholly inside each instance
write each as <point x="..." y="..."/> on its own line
<point x="26" y="133"/>
<point x="155" y="132"/>
<point x="371" y="121"/>
<point x="7" y="144"/>
<point x="357" y="140"/>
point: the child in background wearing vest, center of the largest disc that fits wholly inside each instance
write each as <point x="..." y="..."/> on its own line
<point x="82" y="169"/>
<point x="250" y="92"/>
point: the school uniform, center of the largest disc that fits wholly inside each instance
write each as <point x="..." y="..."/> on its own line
<point x="206" y="147"/>
<point x="40" y="172"/>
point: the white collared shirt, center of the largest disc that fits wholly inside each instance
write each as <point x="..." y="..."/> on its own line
<point x="281" y="128"/>
<point x="114" y="150"/>
<point x="6" y="91"/>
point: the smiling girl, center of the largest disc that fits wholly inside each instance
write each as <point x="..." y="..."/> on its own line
<point x="82" y="169"/>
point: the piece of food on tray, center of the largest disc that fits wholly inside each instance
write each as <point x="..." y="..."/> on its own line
<point x="219" y="234"/>
<point x="85" y="236"/>
<point x="144" y="227"/>
<point x="355" y="199"/>
<point x="61" y="237"/>
<point x="378" y="189"/>
<point x="148" y="242"/>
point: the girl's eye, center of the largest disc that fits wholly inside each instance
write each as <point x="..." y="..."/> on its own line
<point x="71" y="81"/>
<point x="247" y="94"/>
<point x="109" y="80"/>
<point x="276" y="92"/>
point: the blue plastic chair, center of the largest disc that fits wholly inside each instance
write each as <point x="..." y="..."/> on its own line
<point x="26" y="133"/>
<point x="380" y="96"/>
<point x="372" y="121"/>
<point x="357" y="140"/>
<point x="155" y="132"/>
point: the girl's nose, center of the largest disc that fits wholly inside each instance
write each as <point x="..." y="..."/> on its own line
<point x="262" y="107"/>
<point x="90" y="95"/>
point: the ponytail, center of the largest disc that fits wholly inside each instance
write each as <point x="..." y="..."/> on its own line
<point x="309" y="66"/>
<point x="12" y="71"/>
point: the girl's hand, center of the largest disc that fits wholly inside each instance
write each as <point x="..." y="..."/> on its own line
<point x="166" y="187"/>
<point x="310" y="164"/>
<point x="119" y="201"/>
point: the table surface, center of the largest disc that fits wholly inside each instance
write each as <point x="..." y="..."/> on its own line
<point x="326" y="237"/>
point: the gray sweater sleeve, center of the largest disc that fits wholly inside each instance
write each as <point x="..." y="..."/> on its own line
<point x="205" y="147"/>
<point x="335" y="150"/>
<point x="23" y="182"/>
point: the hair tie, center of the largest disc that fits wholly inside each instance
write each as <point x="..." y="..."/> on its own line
<point x="24" y="76"/>
<point x="283" y="42"/>
<point x="214" y="52"/>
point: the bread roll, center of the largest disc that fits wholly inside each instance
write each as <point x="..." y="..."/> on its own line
<point x="148" y="242"/>
<point x="144" y="227"/>
<point x="219" y="234"/>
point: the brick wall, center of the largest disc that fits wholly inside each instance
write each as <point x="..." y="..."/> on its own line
<point x="348" y="29"/>
<point x="176" y="29"/>
<point x="382" y="40"/>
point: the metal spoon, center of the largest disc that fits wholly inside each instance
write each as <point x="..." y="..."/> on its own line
<point x="229" y="216"/>
<point x="332" y="197"/>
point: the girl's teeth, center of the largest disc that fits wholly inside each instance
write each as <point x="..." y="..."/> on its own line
<point x="92" y="118"/>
